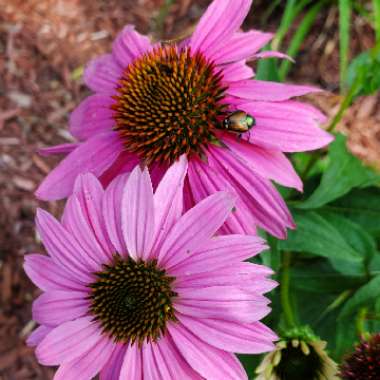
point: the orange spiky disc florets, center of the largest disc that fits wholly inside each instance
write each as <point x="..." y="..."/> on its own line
<point x="168" y="104"/>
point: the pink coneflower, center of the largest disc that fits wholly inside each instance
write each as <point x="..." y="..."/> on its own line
<point x="156" y="102"/>
<point x="135" y="289"/>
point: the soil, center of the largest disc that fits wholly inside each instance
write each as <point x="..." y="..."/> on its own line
<point x="43" y="47"/>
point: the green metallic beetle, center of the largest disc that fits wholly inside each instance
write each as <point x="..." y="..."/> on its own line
<point x="239" y="122"/>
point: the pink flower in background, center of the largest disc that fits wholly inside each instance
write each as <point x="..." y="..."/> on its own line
<point x="156" y="102"/>
<point x="135" y="289"/>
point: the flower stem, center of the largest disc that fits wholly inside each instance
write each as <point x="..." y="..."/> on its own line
<point x="360" y="321"/>
<point x="284" y="290"/>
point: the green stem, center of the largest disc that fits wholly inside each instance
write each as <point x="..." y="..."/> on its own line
<point x="376" y="9"/>
<point x="284" y="290"/>
<point x="360" y="321"/>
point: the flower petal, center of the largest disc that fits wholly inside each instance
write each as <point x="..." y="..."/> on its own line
<point x="203" y="181"/>
<point x="219" y="252"/>
<point x="62" y="247"/>
<point x="195" y="227"/>
<point x="47" y="275"/>
<point x="90" y="194"/>
<point x="137" y="219"/>
<point x="102" y="74"/>
<point x="168" y="201"/>
<point x="88" y="365"/>
<point x="237" y="71"/>
<point x="124" y="163"/>
<point x="241" y="46"/>
<point x="92" y="116"/>
<point x="230" y="336"/>
<point x="166" y="353"/>
<point x="95" y="155"/>
<point x="68" y="341"/>
<point x="269" y="163"/>
<point x="209" y="362"/>
<point x="112" y="212"/>
<point x="58" y="149"/>
<point x="132" y="367"/>
<point x="260" y="196"/>
<point x="58" y="306"/>
<point x="36" y="337"/>
<point x="267" y="91"/>
<point x="221" y="19"/>
<point x="129" y="45"/>
<point x="111" y="369"/>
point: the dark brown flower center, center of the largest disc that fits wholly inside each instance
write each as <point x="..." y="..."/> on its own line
<point x="168" y="104"/>
<point x="132" y="300"/>
<point x="295" y="365"/>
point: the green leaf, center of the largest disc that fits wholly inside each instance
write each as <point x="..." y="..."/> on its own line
<point x="345" y="337"/>
<point x="361" y="206"/>
<point x="366" y="66"/>
<point x="358" y="238"/>
<point x="318" y="276"/>
<point x="316" y="235"/>
<point x="361" y="241"/>
<point x="299" y="36"/>
<point x="365" y="295"/>
<point x="343" y="173"/>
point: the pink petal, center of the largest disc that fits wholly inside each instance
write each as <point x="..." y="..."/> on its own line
<point x="229" y="336"/>
<point x="220" y="293"/>
<point x="68" y="341"/>
<point x="38" y="335"/>
<point x="62" y="247"/>
<point x="248" y="277"/>
<point x="289" y="137"/>
<point x="58" y="306"/>
<point x="219" y="252"/>
<point x="57" y="149"/>
<point x="137" y="219"/>
<point x="221" y="19"/>
<point x="90" y="194"/>
<point x="168" y="201"/>
<point x="112" y="213"/>
<point x="132" y="367"/>
<point x="151" y="366"/>
<point x="166" y="354"/>
<point x="195" y="227"/>
<point x="209" y="362"/>
<point x="267" y="91"/>
<point x="272" y="54"/>
<point x="76" y="224"/>
<point x="111" y="369"/>
<point x="260" y="196"/>
<point x="124" y="163"/>
<point x="94" y="155"/>
<point x="237" y="311"/>
<point x="269" y="163"/>
<point x="237" y="71"/>
<point x="93" y="115"/>
<point x="203" y="181"/>
<point x="241" y="46"/>
<point x="129" y="45"/>
<point x="47" y="275"/>
<point x="102" y="74"/>
<point x="88" y="365"/>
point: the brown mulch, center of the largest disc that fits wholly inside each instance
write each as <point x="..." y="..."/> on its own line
<point x="43" y="47"/>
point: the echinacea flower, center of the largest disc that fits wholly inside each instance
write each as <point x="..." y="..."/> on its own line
<point x="364" y="362"/>
<point x="135" y="289"/>
<point x="299" y="355"/>
<point x="154" y="102"/>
